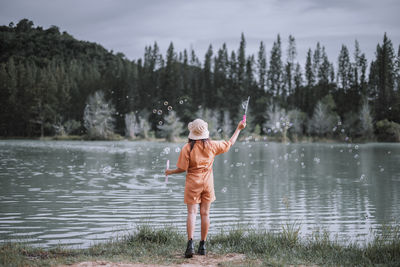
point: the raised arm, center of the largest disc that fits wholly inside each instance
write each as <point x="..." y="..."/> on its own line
<point x="173" y="171"/>
<point x="235" y="135"/>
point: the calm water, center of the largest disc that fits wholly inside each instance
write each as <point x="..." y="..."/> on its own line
<point x="80" y="193"/>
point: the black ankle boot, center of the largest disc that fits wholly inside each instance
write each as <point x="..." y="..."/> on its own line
<point x="190" y="249"/>
<point x="202" y="248"/>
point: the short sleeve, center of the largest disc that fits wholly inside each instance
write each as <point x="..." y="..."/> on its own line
<point x="183" y="160"/>
<point x="221" y="147"/>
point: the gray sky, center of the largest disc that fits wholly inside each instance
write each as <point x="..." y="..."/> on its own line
<point x="128" y="26"/>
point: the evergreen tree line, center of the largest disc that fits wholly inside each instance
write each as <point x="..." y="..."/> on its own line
<point x="53" y="84"/>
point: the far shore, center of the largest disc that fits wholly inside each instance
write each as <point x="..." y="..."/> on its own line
<point x="182" y="139"/>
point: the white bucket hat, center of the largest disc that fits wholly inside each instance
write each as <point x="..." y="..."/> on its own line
<point x="198" y="129"/>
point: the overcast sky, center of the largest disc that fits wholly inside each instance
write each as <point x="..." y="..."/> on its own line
<point x="127" y="26"/>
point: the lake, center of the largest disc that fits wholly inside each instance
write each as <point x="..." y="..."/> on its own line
<point x="78" y="193"/>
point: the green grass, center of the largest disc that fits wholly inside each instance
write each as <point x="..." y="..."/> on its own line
<point x="166" y="246"/>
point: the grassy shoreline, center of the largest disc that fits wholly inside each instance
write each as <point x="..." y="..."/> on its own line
<point x="260" y="247"/>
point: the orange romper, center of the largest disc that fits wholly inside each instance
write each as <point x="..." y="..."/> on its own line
<point x="199" y="186"/>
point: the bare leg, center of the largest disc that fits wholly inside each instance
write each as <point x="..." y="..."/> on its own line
<point x="191" y="219"/>
<point x="205" y="219"/>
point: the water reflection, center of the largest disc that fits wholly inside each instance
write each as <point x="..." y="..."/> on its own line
<point x="77" y="193"/>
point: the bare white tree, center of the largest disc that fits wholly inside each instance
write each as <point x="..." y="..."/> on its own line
<point x="322" y="120"/>
<point x="172" y="127"/>
<point x="277" y="121"/>
<point x="98" y="116"/>
<point x="366" y="121"/>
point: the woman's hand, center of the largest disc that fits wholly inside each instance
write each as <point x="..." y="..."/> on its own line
<point x="168" y="172"/>
<point x="241" y="125"/>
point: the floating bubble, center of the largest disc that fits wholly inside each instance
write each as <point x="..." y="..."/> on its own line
<point x="252" y="162"/>
<point x="302" y="155"/>
<point x="249" y="185"/>
<point x="127" y="96"/>
<point x="272" y="161"/>
<point x="389" y="152"/>
<point x="236" y="149"/>
<point x="249" y="145"/>
<point x="107" y="169"/>
<point x="363" y="177"/>
<point x="350" y="150"/>
<point x="296" y="160"/>
<point x="317" y="160"/>
<point x="260" y="174"/>
<point x="166" y="150"/>
<point x="169" y="108"/>
<point x="390" y="108"/>
<point x="177" y="150"/>
<point x="160" y="123"/>
<point x="231" y="175"/>
<point x="154" y="111"/>
<point x="358" y="163"/>
<point x="356" y="156"/>
<point x="382" y="170"/>
<point x="339" y="123"/>
<point x="334" y="129"/>
<point x="265" y="145"/>
<point x="224" y="189"/>
<point x="239" y="164"/>
<point x="181" y="102"/>
<point x="159" y="112"/>
<point x="225" y="161"/>
<point x="341" y="150"/>
<point x="342" y="130"/>
<point x="231" y="165"/>
<point x="165" y="103"/>
<point x="243" y="176"/>
<point x="356" y="147"/>
<point x="250" y="155"/>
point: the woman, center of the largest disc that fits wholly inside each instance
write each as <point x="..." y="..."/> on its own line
<point x="196" y="158"/>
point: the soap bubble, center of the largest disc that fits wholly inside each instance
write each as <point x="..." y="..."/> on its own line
<point x="358" y="163"/>
<point x="224" y="189"/>
<point x="154" y="111"/>
<point x="389" y="152"/>
<point x="356" y="147"/>
<point x="177" y="150"/>
<point x="382" y="170"/>
<point x="334" y="129"/>
<point x="160" y="123"/>
<point x="272" y="161"/>
<point x="265" y="145"/>
<point x="250" y="155"/>
<point x="181" y="102"/>
<point x="356" y="156"/>
<point x="165" y="103"/>
<point x="169" y="108"/>
<point x="252" y="162"/>
<point x="317" y="160"/>
<point x="106" y="169"/>
<point x="159" y="112"/>
<point x="166" y="150"/>
<point x="363" y="177"/>
<point x="249" y="185"/>
<point x="236" y="149"/>
<point x="225" y="161"/>
<point x="302" y="155"/>
<point x="341" y="150"/>
<point x="342" y="130"/>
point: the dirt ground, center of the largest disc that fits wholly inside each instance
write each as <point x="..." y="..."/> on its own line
<point x="209" y="260"/>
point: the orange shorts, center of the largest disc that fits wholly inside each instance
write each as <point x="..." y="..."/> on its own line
<point x="198" y="190"/>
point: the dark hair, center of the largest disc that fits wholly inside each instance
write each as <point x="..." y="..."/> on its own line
<point x="192" y="142"/>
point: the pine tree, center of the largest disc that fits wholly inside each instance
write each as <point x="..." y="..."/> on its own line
<point x="316" y="63"/>
<point x="290" y="65"/>
<point x="344" y="69"/>
<point x="275" y="71"/>
<point x="262" y="66"/>
<point x="242" y="63"/>
<point x="309" y="75"/>
<point x="382" y="72"/>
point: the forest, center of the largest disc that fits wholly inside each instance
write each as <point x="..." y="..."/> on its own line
<point x="54" y="85"/>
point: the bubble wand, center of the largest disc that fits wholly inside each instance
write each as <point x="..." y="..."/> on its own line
<point x="245" y="109"/>
<point x="166" y="176"/>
